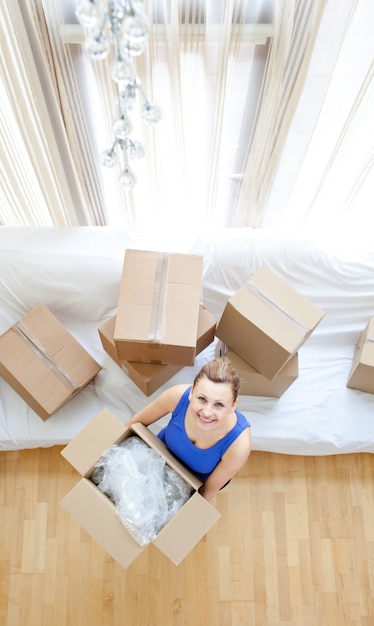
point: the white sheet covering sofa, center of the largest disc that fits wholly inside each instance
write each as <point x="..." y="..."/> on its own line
<point x="76" y="273"/>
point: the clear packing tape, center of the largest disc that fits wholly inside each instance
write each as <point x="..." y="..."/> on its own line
<point x="146" y="492"/>
<point x="159" y="287"/>
<point x="276" y="307"/>
<point x="35" y="345"/>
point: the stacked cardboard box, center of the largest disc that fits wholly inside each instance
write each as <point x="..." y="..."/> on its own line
<point x="361" y="375"/>
<point x="265" y="323"/>
<point x="43" y="362"/>
<point x="97" y="513"/>
<point x="150" y="376"/>
<point x="255" y="384"/>
<point x="160" y="325"/>
<point x="158" y="307"/>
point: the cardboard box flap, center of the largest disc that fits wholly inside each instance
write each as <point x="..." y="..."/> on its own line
<point x="185" y="268"/>
<point x="45" y="336"/>
<point x="140" y="271"/>
<point x="103" y="431"/>
<point x="267" y="318"/>
<point x="271" y="287"/>
<point x="97" y="514"/>
<point x="156" y="444"/>
<point x="185" y="530"/>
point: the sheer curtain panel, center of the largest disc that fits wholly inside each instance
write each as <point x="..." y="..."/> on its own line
<point x="40" y="185"/>
<point x="267" y="118"/>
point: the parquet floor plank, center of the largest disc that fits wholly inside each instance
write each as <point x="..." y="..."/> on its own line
<point x="294" y="547"/>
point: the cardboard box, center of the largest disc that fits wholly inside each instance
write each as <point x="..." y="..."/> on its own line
<point x="97" y="513"/>
<point x="255" y="384"/>
<point x="158" y="307"/>
<point x="267" y="321"/>
<point x="150" y="376"/>
<point x="43" y="362"/>
<point x="361" y="375"/>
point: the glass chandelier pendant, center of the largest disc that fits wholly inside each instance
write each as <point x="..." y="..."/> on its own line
<point x="109" y="157"/>
<point x="122" y="126"/>
<point x="120" y="27"/>
<point x="127" y="178"/>
<point x="151" y="113"/>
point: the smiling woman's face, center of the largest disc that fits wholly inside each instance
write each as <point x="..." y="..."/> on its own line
<point x="211" y="403"/>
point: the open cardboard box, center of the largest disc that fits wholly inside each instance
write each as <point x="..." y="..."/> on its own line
<point x="43" y="362"/>
<point x="97" y="514"/>
<point x="158" y="307"/>
<point x="150" y="376"/>
<point x="361" y="375"/>
<point x="267" y="321"/>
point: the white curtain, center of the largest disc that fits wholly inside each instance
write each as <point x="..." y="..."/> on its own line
<point x="40" y="181"/>
<point x="329" y="188"/>
<point x="295" y="30"/>
<point x="257" y="129"/>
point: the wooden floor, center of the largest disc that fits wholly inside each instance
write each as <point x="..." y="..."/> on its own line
<point x="294" y="546"/>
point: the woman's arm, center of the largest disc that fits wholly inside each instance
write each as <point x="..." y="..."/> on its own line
<point x="161" y="406"/>
<point x="232" y="461"/>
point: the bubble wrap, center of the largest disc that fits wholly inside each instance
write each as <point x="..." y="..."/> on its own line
<point x="146" y="492"/>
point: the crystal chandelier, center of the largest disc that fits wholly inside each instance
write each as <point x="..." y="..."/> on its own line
<point x="122" y="28"/>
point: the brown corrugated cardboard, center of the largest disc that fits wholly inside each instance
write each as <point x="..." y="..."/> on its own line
<point x="150" y="376"/>
<point x="43" y="362"/>
<point x="255" y="384"/>
<point x="97" y="514"/>
<point x="267" y="321"/>
<point x="147" y="376"/>
<point x="361" y="375"/>
<point x="158" y="307"/>
<point x="206" y="329"/>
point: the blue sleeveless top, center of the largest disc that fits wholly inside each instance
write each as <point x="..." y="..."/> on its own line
<point x="200" y="462"/>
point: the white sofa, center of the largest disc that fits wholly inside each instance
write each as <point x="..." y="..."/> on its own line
<point x="76" y="273"/>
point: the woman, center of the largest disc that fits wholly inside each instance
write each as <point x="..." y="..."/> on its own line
<point x="205" y="432"/>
